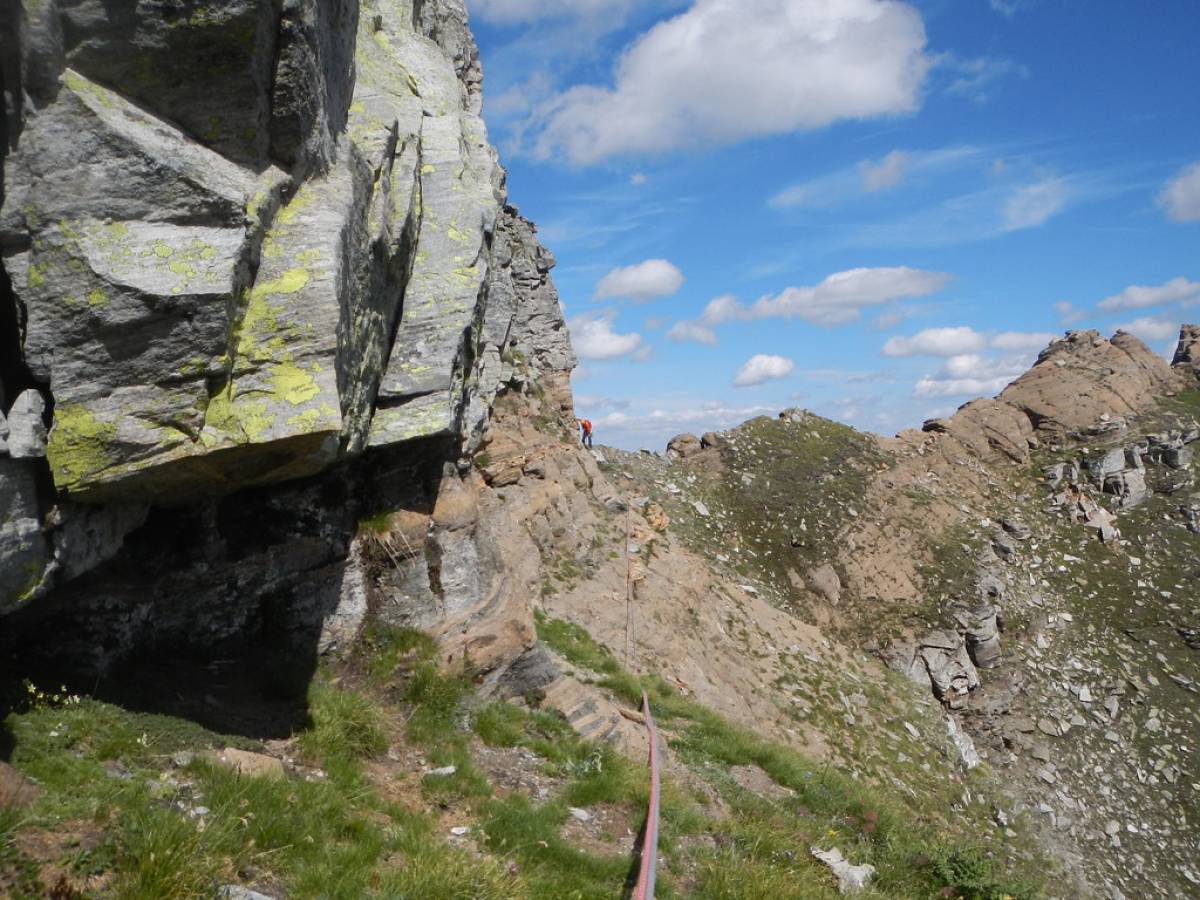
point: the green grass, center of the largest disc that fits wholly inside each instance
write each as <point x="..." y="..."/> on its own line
<point x="517" y="828"/>
<point x="915" y="854"/>
<point x="346" y="725"/>
<point x="338" y="837"/>
<point x="383" y="651"/>
<point x="17" y="872"/>
<point x="575" y="645"/>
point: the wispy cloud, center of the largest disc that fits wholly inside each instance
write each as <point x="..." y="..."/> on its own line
<point x="887" y="173"/>
<point x="1069" y="313"/>
<point x="851" y="183"/>
<point x="1137" y="296"/>
<point x="1034" y="204"/>
<point x="961" y="340"/>
<point x="1009" y="8"/>
<point x="692" y="331"/>
<point x="936" y="342"/>
<point x="1181" y="195"/>
<point x="976" y="78"/>
<point x="514" y="11"/>
<point x="1153" y="329"/>
<point x="838" y="300"/>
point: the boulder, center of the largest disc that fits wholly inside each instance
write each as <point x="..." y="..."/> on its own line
<point x="940" y="661"/>
<point x="1187" y="351"/>
<point x="1017" y="529"/>
<point x="795" y="415"/>
<point x="153" y="60"/>
<point x="851" y="879"/>
<point x="212" y="322"/>
<point x="1107" y="465"/>
<point x="951" y="672"/>
<point x="981" y="628"/>
<point x="682" y="446"/>
<point x="1082" y="378"/>
<point x="825" y="581"/>
<point x="989" y="429"/>
<point x="593" y="716"/>
<point x="27" y="426"/>
<point x="24" y="554"/>
<point x="1129" y="486"/>
<point x="16" y="792"/>
<point x="1170" y="449"/>
<point x="248" y="764"/>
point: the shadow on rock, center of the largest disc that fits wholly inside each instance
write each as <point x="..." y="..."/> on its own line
<point x="217" y="612"/>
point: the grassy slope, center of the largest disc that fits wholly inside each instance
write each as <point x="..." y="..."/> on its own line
<point x="125" y="816"/>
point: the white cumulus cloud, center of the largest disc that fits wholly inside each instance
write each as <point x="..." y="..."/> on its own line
<point x="887" y="173"/>
<point x="647" y="280"/>
<point x="837" y="300"/>
<point x="971" y="375"/>
<point x="726" y="70"/>
<point x="936" y="342"/>
<point x="1181" y="197"/>
<point x="722" y="309"/>
<point x="593" y="338"/>
<point x="1137" y="296"/>
<point x="1034" y="204"/>
<point x="763" y="367"/>
<point x="692" y="331"/>
<point x="510" y="11"/>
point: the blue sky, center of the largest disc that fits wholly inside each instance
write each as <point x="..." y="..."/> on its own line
<point x="870" y="208"/>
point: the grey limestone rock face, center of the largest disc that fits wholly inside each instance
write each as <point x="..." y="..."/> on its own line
<point x="522" y="332"/>
<point x="938" y="660"/>
<point x="1187" y="351"/>
<point x="314" y="81"/>
<point x="23" y="554"/>
<point x="90" y="535"/>
<point x="242" y="278"/>
<point x="982" y="635"/>
<point x="247" y="241"/>
<point x="26" y="426"/>
<point x="151" y="52"/>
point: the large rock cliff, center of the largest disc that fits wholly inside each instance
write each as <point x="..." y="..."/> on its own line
<point x="260" y="281"/>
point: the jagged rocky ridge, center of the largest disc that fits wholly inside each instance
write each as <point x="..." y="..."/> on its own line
<point x="1029" y="561"/>
<point x="243" y="244"/>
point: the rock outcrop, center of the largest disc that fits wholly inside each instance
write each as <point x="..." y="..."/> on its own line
<point x="243" y="246"/>
<point x="1187" y="353"/>
<point x="1080" y="382"/>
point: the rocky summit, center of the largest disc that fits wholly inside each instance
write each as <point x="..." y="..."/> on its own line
<point x="307" y="589"/>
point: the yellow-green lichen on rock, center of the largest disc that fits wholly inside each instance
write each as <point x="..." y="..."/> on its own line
<point x="80" y="445"/>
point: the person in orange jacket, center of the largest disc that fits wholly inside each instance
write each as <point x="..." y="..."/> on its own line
<point x="585" y="428"/>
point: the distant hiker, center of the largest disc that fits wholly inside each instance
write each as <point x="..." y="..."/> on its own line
<point x="585" y="427"/>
